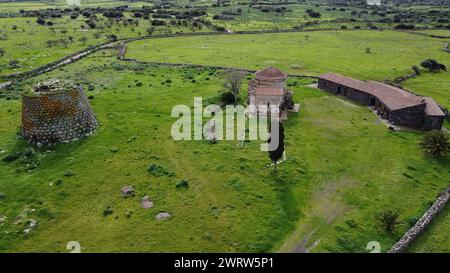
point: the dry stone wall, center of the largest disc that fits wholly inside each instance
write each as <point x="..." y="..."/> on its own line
<point x="57" y="117"/>
<point x="423" y="222"/>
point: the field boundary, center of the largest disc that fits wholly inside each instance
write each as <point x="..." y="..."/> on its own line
<point x="245" y="70"/>
<point x="422" y="223"/>
<point x="71" y="58"/>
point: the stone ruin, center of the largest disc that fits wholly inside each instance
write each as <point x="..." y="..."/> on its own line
<point x="56" y="111"/>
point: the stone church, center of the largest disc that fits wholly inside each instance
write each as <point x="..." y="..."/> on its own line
<point x="268" y="89"/>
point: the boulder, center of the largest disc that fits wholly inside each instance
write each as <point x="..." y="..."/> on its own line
<point x="162" y="216"/>
<point x="128" y="191"/>
<point x="146" y="203"/>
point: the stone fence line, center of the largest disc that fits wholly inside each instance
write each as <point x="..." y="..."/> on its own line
<point x="423" y="222"/>
<point x="245" y="70"/>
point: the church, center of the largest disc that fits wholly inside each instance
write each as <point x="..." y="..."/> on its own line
<point x="268" y="88"/>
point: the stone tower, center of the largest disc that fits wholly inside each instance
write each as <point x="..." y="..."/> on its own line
<point x="56" y="111"/>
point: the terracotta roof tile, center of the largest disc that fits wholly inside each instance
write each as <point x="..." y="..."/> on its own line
<point x="270" y="73"/>
<point x="433" y="108"/>
<point x="394" y="98"/>
<point x="269" y="91"/>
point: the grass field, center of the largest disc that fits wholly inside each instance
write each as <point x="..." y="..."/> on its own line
<point x="330" y="188"/>
<point x="392" y="54"/>
<point x="434" y="238"/>
<point x="31" y="53"/>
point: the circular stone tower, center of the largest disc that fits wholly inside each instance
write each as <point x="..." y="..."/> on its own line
<point x="56" y="111"/>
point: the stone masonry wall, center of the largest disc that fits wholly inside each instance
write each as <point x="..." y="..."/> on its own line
<point x="423" y="222"/>
<point x="57" y="117"/>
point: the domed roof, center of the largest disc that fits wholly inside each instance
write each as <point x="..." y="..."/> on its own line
<point x="270" y="73"/>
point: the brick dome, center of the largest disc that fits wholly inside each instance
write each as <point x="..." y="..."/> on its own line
<point x="270" y="73"/>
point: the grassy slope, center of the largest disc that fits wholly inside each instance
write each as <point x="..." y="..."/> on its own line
<point x="233" y="203"/>
<point x="393" y="54"/>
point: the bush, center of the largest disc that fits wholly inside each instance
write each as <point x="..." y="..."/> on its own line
<point x="108" y="211"/>
<point x="433" y="65"/>
<point x="182" y="184"/>
<point x="11" y="157"/>
<point x="157" y="170"/>
<point x="435" y="144"/>
<point x="227" y="98"/>
<point x="389" y="220"/>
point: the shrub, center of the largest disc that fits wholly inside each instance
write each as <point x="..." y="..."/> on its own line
<point x="389" y="220"/>
<point x="433" y="65"/>
<point x="227" y="98"/>
<point x="157" y="170"/>
<point x="435" y="144"/>
<point x="182" y="184"/>
<point x="11" y="157"/>
<point x="108" y="211"/>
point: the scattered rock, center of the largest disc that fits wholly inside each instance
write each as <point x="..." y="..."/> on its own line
<point x="146" y="203"/>
<point x="2" y="195"/>
<point x="2" y="220"/>
<point x="128" y="191"/>
<point x="30" y="225"/>
<point x="162" y="216"/>
<point x="68" y="174"/>
<point x="114" y="150"/>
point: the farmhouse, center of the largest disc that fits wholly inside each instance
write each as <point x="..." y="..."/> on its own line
<point x="396" y="105"/>
<point x="269" y="89"/>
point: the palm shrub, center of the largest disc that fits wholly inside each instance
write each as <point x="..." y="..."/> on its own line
<point x="436" y="143"/>
<point x="389" y="220"/>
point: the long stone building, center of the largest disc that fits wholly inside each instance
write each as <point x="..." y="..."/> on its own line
<point x="396" y="105"/>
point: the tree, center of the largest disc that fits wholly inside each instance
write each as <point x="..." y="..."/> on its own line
<point x="368" y="50"/>
<point x="433" y="65"/>
<point x="436" y="143"/>
<point x="276" y="153"/>
<point x="233" y="82"/>
<point x="2" y="52"/>
<point x="389" y="219"/>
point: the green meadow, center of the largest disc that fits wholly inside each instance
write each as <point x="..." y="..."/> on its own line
<point x="328" y="194"/>
<point x="392" y="54"/>
<point x="27" y="42"/>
